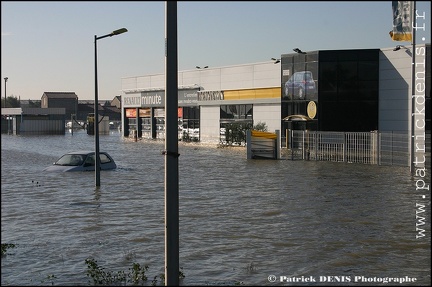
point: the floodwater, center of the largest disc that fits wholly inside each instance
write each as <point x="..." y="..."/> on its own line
<point x="241" y="221"/>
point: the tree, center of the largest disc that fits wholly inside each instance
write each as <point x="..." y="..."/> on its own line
<point x="11" y="102"/>
<point x="260" y="126"/>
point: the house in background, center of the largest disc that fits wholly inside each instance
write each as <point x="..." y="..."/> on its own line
<point x="105" y="108"/>
<point x="116" y="102"/>
<point x="67" y="100"/>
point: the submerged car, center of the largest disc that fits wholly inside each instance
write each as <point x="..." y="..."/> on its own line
<point x="82" y="161"/>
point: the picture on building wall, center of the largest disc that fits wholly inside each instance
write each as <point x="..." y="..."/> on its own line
<point x="300" y="85"/>
<point x="300" y="77"/>
<point x="130" y="113"/>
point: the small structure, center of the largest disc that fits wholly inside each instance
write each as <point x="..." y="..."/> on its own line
<point x="262" y="145"/>
<point x="33" y="121"/>
<point x="104" y="126"/>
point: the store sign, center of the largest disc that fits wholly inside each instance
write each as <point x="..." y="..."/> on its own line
<point x="133" y="100"/>
<point x="157" y="99"/>
<point x="210" y="95"/>
<point x="187" y="97"/>
<point x="311" y="109"/>
<point x="151" y="100"/>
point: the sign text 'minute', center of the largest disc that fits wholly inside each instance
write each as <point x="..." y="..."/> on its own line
<point x="151" y="100"/>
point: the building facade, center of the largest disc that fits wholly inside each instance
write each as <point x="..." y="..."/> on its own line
<point x="359" y="90"/>
<point x="208" y="99"/>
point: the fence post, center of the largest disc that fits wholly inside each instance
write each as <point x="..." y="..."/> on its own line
<point x="391" y="145"/>
<point x="292" y="144"/>
<point x="344" y="147"/>
<point x="303" y="145"/>
<point x="379" y="148"/>
<point x="374" y="147"/>
<point x="278" y="144"/>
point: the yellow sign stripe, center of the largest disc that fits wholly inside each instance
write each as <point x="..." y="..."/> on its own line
<point x="250" y="94"/>
<point x="261" y="134"/>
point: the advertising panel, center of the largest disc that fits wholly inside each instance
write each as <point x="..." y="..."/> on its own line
<point x="145" y="113"/>
<point x="130" y="113"/>
<point x="159" y="113"/>
<point x="299" y="77"/>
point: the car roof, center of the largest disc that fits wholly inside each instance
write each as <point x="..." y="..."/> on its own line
<point x="80" y="152"/>
<point x="84" y="152"/>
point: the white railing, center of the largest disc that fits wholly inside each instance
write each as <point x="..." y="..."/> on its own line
<point x="383" y="148"/>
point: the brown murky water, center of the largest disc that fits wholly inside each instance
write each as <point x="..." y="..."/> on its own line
<point x="240" y="220"/>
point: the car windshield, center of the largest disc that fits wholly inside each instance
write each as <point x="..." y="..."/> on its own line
<point x="70" y="159"/>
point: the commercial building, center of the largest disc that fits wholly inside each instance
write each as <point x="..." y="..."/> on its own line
<point x="358" y="90"/>
<point x="208" y="100"/>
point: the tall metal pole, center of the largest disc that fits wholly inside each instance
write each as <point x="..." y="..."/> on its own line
<point x="96" y="105"/>
<point x="6" y="78"/>
<point x="171" y="148"/>
<point x="8" y="118"/>
<point x="96" y="121"/>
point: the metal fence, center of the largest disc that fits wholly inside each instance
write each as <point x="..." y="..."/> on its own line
<point x="383" y="148"/>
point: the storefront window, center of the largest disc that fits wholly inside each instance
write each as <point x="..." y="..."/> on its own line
<point x="238" y="112"/>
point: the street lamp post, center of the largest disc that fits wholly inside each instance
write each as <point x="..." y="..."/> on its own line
<point x="96" y="106"/>
<point x="6" y="78"/>
<point x="7" y="116"/>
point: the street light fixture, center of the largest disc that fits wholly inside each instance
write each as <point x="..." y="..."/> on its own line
<point x="297" y="50"/>
<point x="198" y="67"/>
<point x="398" y="47"/>
<point x="6" y="78"/>
<point x="276" y="60"/>
<point x="96" y="105"/>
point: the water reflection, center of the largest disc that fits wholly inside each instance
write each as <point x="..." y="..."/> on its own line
<point x="240" y="220"/>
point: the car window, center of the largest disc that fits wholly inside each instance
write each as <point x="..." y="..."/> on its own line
<point x="90" y="160"/>
<point x="76" y="160"/>
<point x="70" y="159"/>
<point x="104" y="158"/>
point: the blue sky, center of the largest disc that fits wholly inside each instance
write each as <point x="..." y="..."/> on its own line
<point x="49" y="46"/>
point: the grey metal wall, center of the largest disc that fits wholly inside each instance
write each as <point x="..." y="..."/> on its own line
<point x="38" y="127"/>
